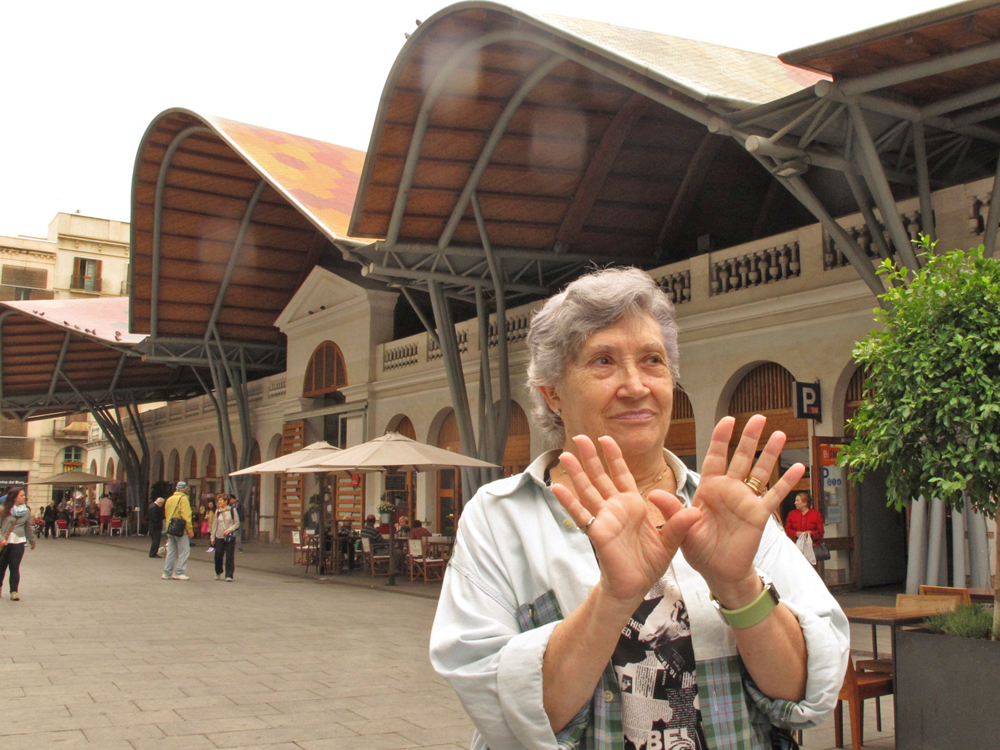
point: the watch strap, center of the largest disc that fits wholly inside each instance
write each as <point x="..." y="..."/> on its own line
<point x="750" y="614"/>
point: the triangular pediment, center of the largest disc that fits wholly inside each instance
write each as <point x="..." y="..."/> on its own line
<point x="321" y="291"/>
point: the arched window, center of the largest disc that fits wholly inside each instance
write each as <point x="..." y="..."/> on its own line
<point x="326" y="372"/>
<point x="72" y="458"/>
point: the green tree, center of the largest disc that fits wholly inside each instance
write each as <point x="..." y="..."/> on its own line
<point x="931" y="414"/>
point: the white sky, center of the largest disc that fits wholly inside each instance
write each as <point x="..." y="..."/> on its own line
<point x="81" y="81"/>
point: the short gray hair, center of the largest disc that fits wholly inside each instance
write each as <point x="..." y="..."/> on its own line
<point x="565" y="321"/>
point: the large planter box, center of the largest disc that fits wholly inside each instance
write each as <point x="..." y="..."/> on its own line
<point x="946" y="692"/>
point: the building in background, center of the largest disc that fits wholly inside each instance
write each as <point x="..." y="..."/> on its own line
<point x="82" y="257"/>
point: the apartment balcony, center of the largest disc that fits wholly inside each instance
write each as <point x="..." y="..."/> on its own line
<point x="85" y="284"/>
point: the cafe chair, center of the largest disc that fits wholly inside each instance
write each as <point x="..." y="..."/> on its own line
<point x="62" y="527"/>
<point x="422" y="566"/>
<point x="857" y="688"/>
<point x="961" y="594"/>
<point x="929" y="602"/>
<point x="304" y="553"/>
<point x="377" y="564"/>
<point x="115" y="527"/>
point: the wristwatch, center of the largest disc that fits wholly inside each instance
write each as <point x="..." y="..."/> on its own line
<point x="752" y="613"/>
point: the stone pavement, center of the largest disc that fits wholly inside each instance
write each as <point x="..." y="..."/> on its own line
<point x="101" y="653"/>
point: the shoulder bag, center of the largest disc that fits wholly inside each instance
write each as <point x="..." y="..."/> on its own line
<point x="177" y="526"/>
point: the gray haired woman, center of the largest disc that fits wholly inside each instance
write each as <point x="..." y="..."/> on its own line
<point x="609" y="597"/>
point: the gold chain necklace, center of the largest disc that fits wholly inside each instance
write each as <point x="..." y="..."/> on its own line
<point x="656" y="481"/>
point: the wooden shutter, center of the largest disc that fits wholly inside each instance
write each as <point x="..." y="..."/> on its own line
<point x="291" y="487"/>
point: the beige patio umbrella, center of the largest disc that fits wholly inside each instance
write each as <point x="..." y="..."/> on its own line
<point x="290" y="462"/>
<point x="393" y="452"/>
<point x="76" y="477"/>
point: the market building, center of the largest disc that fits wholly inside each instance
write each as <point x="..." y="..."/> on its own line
<point x="334" y="295"/>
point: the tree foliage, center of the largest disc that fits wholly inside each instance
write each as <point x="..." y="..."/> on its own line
<point x="931" y="413"/>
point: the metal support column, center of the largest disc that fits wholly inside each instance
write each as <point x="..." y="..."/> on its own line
<point x="871" y="168"/>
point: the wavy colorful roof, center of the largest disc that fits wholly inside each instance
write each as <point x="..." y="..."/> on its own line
<point x="227" y="220"/>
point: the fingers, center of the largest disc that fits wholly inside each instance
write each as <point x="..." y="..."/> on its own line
<point x="718" y="449"/>
<point x="773" y="497"/>
<point x="678" y="519"/>
<point x="621" y="475"/>
<point x="597" y="475"/>
<point x="742" y="461"/>
<point x="581" y="516"/>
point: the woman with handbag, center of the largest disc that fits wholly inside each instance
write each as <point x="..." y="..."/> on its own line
<point x="17" y="529"/>
<point x="805" y="521"/>
<point x="226" y="523"/>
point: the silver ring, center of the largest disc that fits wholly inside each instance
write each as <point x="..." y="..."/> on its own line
<point x="586" y="529"/>
<point x="756" y="485"/>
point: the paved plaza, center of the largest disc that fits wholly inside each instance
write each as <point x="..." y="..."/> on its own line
<point x="101" y="653"/>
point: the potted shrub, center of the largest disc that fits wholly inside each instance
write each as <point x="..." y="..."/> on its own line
<point x="931" y="421"/>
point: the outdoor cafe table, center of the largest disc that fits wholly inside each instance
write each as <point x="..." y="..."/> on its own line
<point x="892" y="617"/>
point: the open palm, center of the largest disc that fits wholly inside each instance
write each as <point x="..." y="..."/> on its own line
<point x="633" y="553"/>
<point x="722" y="543"/>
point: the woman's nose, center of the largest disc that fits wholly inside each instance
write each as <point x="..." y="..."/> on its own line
<point x="632" y="383"/>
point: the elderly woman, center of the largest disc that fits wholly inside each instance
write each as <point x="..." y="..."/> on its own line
<point x="609" y="597"/>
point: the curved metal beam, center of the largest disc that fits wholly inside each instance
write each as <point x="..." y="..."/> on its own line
<point x="661" y="95"/>
<point x="234" y="255"/>
<point x="161" y="183"/>
<point x="486" y="153"/>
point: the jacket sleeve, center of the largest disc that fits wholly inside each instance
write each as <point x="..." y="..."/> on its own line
<point x="29" y="529"/>
<point x="817" y="531"/>
<point x="479" y="644"/>
<point x="184" y="511"/>
<point x="824" y="625"/>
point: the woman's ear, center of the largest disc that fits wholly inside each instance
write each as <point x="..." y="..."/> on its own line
<point x="550" y="396"/>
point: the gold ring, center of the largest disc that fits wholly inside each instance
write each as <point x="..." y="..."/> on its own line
<point x="756" y="485"/>
<point x="586" y="529"/>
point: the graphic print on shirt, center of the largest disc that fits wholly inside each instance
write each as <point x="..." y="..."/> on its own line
<point x="655" y="666"/>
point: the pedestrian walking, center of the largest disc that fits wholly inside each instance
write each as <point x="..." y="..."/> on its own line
<point x="225" y="526"/>
<point x="208" y="521"/>
<point x="106" y="507"/>
<point x="154" y="519"/>
<point x="49" y="515"/>
<point x="178" y="506"/>
<point x="17" y="529"/>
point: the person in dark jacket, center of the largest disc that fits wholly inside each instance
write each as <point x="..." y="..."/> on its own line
<point x="154" y="517"/>
<point x="49" y="516"/>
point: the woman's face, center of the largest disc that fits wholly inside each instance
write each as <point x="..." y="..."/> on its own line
<point x="222" y="503"/>
<point x="801" y="503"/>
<point x="618" y="385"/>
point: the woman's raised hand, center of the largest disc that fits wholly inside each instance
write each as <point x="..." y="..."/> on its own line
<point x="633" y="553"/>
<point x="722" y="543"/>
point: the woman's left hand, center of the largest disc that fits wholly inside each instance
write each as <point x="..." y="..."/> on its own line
<point x="721" y="545"/>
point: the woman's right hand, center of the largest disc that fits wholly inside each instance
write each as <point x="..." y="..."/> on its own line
<point x="632" y="552"/>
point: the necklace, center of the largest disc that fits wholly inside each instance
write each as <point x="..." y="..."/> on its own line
<point x="656" y="481"/>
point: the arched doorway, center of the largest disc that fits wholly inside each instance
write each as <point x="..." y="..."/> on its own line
<point x="211" y="481"/>
<point x="449" y="484"/>
<point x="767" y="389"/>
<point x="400" y="486"/>
<point x="681" y="438"/>
<point x="517" y="453"/>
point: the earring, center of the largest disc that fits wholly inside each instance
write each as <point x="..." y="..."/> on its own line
<point x="559" y="413"/>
